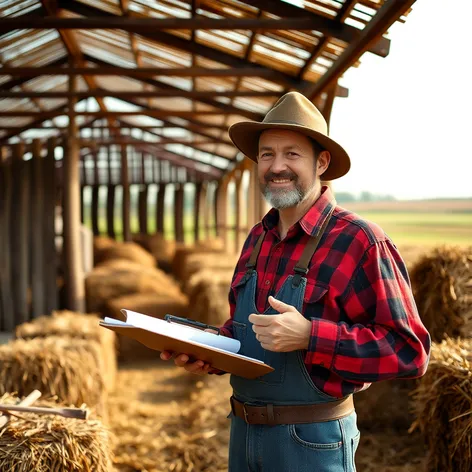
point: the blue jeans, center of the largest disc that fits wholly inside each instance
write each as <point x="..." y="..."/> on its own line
<point x="314" y="447"/>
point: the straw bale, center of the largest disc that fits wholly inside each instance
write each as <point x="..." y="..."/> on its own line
<point x="386" y="404"/>
<point x="129" y="251"/>
<point x="45" y="443"/>
<point x="208" y="293"/>
<point x="69" y="369"/>
<point x="120" y="277"/>
<point x="76" y="325"/>
<point x="99" y="244"/>
<point x="443" y="404"/>
<point x="162" y="249"/>
<point x="198" y="261"/>
<point x="442" y="285"/>
<point x="149" y="304"/>
<point x="179" y="261"/>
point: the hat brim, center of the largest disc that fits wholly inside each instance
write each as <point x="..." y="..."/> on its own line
<point x="245" y="136"/>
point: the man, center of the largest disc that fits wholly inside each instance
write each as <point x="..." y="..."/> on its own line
<point x="320" y="295"/>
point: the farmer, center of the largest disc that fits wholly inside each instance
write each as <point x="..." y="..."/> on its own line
<point x="319" y="294"/>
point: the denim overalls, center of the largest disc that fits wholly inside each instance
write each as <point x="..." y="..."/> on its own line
<point x="316" y="447"/>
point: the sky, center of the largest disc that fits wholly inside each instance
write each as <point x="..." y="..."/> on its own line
<point x="407" y="122"/>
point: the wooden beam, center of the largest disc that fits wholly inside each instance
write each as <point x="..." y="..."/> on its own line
<point x="74" y="276"/>
<point x="50" y="252"/>
<point x="303" y="22"/>
<point x="172" y="93"/>
<point x="187" y="45"/>
<point x="179" y="213"/>
<point x="90" y="143"/>
<point x="125" y="127"/>
<point x="115" y="114"/>
<point x="125" y="208"/>
<point x="38" y="192"/>
<point x="385" y="17"/>
<point x="321" y="23"/>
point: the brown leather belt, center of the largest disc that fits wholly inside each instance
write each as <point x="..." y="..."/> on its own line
<point x="292" y="414"/>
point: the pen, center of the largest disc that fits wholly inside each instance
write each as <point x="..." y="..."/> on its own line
<point x="187" y="321"/>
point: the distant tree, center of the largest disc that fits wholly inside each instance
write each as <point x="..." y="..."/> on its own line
<point x="345" y="197"/>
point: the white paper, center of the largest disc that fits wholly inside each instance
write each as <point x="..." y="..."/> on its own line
<point x="177" y="331"/>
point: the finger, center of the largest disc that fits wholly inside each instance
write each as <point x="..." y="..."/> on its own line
<point x="166" y="355"/>
<point x="181" y="360"/>
<point x="195" y="367"/>
<point x="261" y="320"/>
<point x="280" y="306"/>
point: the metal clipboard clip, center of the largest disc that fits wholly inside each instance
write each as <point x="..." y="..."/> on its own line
<point x="193" y="323"/>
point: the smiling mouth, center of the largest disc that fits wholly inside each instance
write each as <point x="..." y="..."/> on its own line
<point x="280" y="181"/>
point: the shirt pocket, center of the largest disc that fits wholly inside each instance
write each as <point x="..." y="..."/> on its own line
<point x="314" y="299"/>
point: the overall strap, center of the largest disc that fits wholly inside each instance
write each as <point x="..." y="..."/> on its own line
<point x="301" y="268"/>
<point x="251" y="264"/>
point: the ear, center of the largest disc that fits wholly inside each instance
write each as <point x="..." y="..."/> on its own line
<point x="322" y="163"/>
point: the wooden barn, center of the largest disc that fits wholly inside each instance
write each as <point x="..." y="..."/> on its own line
<point x="120" y="187"/>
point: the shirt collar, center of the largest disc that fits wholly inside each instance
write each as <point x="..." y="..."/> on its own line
<point x="313" y="218"/>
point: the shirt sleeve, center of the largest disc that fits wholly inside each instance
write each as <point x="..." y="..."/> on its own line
<point x="385" y="338"/>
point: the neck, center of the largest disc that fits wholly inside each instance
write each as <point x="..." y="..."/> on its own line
<point x="289" y="216"/>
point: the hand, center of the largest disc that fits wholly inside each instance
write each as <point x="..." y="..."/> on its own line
<point x="289" y="331"/>
<point x="182" y="360"/>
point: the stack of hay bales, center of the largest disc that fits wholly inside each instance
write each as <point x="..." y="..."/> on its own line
<point x="442" y="286"/>
<point x="208" y="291"/>
<point x="74" y="325"/>
<point x="69" y="369"/>
<point x="52" y="443"/>
<point x="182" y="252"/>
<point x="442" y="283"/>
<point x="163" y="250"/>
<point x="443" y="402"/>
<point x="128" y="251"/>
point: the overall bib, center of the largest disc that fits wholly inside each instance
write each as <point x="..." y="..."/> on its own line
<point x="327" y="446"/>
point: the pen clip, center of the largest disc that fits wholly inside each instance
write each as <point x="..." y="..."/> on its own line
<point x="193" y="323"/>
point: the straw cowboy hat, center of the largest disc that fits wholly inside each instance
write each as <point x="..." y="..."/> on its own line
<point x="293" y="112"/>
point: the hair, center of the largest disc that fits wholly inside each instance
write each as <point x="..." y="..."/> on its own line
<point x="317" y="148"/>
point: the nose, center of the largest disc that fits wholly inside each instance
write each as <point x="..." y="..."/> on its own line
<point x="278" y="164"/>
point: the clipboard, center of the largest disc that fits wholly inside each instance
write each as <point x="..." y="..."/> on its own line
<point x="218" y="358"/>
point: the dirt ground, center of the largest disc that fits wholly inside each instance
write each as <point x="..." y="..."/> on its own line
<point x="164" y="419"/>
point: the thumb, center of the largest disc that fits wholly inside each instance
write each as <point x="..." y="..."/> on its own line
<point x="280" y="306"/>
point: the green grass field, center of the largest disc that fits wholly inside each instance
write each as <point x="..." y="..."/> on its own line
<point x="423" y="223"/>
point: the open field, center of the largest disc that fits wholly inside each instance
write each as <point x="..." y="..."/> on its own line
<point x="426" y="223"/>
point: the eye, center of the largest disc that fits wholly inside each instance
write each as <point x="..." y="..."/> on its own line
<point x="265" y="155"/>
<point x="293" y="154"/>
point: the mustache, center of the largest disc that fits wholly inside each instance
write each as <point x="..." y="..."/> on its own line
<point x="282" y="175"/>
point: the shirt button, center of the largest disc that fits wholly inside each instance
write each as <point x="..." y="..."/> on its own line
<point x="267" y="282"/>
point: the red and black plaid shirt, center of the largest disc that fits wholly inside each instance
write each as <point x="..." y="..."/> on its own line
<point x="365" y="324"/>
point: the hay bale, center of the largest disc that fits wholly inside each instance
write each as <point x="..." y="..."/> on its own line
<point x="129" y="251"/>
<point x="69" y="369"/>
<point x="179" y="261"/>
<point x="443" y="404"/>
<point x="148" y="304"/>
<point x="80" y="326"/>
<point x="101" y="243"/>
<point x="386" y="404"/>
<point x="208" y="294"/>
<point x="195" y="262"/>
<point x="120" y="277"/>
<point x="162" y="249"/>
<point x="46" y="443"/>
<point x="442" y="285"/>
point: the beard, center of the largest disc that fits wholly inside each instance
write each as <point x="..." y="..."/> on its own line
<point x="283" y="197"/>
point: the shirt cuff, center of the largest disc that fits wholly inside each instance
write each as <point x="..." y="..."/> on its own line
<point x="323" y="343"/>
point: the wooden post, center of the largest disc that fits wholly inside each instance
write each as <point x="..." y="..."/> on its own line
<point x="160" y="207"/>
<point x="251" y="207"/>
<point x="7" y="320"/>
<point x="222" y="211"/>
<point x="197" y="206"/>
<point x="38" y="288"/>
<point x="126" y="195"/>
<point x="73" y="271"/>
<point x="95" y="195"/>
<point x="110" y="199"/>
<point x="142" y="200"/>
<point x="326" y="111"/>
<point x="239" y="197"/>
<point x="49" y="215"/>
<point x="20" y="234"/>
<point x="206" y="210"/>
<point x="179" y="212"/>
